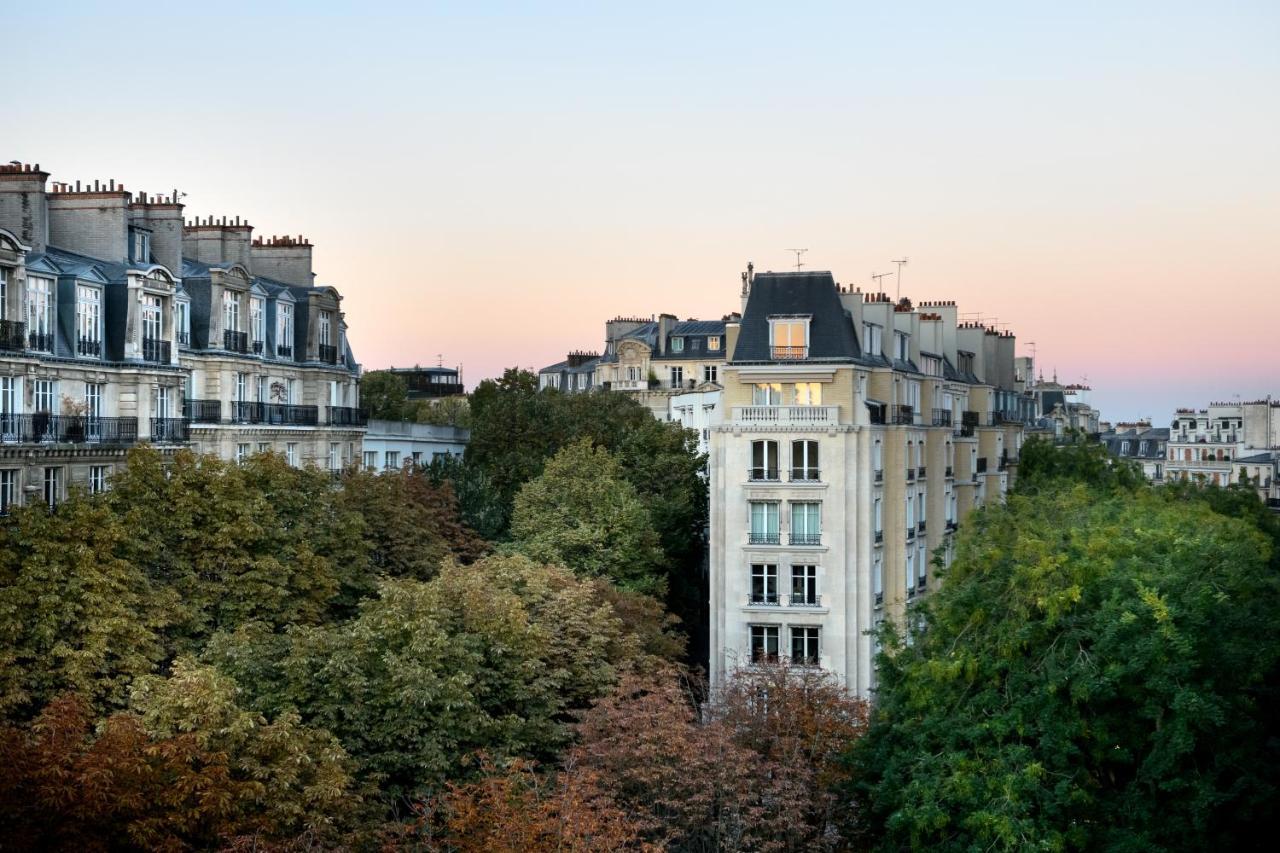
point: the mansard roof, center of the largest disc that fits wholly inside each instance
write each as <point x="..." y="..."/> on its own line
<point x="65" y="262"/>
<point x="812" y="294"/>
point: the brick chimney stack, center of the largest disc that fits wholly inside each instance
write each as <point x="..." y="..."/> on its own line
<point x="218" y="241"/>
<point x="286" y="259"/>
<point x="23" y="207"/>
<point x="162" y="216"/>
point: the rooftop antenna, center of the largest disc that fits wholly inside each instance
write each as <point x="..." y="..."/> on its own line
<point x="877" y="276"/>
<point x="798" y="252"/>
<point x="439" y="359"/>
<point x="901" y="264"/>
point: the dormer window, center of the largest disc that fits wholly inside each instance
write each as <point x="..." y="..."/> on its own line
<point x="901" y="346"/>
<point x="872" y="340"/>
<point x="140" y="247"/>
<point x="789" y="337"/>
<point x="88" y="321"/>
<point x="713" y="343"/>
<point x="677" y="344"/>
<point x="931" y="366"/>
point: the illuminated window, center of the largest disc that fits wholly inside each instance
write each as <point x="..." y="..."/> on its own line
<point x="808" y="393"/>
<point x="789" y="338"/>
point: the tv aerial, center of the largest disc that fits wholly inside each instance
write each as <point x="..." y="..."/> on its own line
<point x="799" y="254"/>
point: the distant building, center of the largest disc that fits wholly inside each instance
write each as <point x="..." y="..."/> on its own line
<point x="390" y="445"/>
<point x="1064" y="408"/>
<point x="575" y="374"/>
<point x="1138" y="442"/>
<point x="1220" y="443"/>
<point x="429" y="383"/>
<point x="698" y="409"/>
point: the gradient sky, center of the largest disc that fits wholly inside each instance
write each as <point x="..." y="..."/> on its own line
<point x="491" y="182"/>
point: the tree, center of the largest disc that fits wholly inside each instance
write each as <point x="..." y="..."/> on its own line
<point x="1099" y="671"/>
<point x="446" y="411"/>
<point x="1043" y="463"/>
<point x="480" y="507"/>
<point x="581" y="513"/>
<point x="384" y="395"/>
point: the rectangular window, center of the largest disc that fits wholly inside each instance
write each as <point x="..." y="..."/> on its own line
<point x="264" y="447"/>
<point x="291" y="453"/>
<point x="52" y="487"/>
<point x="97" y="479"/>
<point x="804" y="586"/>
<point x="677" y="344"/>
<point x="804" y="646"/>
<point x="391" y="460"/>
<point x="872" y="340"/>
<point x="10" y="408"/>
<point x="766" y="394"/>
<point x="257" y="322"/>
<point x="284" y="329"/>
<point x="911" y="571"/>
<point x="764" y="583"/>
<point x="901" y="346"/>
<point x="326" y="329"/>
<point x="230" y="311"/>
<point x="804" y="460"/>
<point x="242" y="452"/>
<point x="335" y="456"/>
<point x="46" y="392"/>
<point x="713" y="343"/>
<point x="808" y="393"/>
<point x="152" y="326"/>
<point x="371" y="459"/>
<point x="677" y="376"/>
<point x="877" y="579"/>
<point x="764" y="523"/>
<point x="8" y="490"/>
<point x="242" y="387"/>
<point x="806" y="523"/>
<point x="790" y="338"/>
<point x="710" y="373"/>
<point x="88" y="321"/>
<point x="260" y="388"/>
<point x="40" y="313"/>
<point x="4" y="294"/>
<point x="182" y="321"/>
<point x="764" y="643"/>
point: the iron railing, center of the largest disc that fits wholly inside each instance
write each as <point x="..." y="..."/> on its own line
<point x="805" y="474"/>
<point x="328" y="353"/>
<point x="258" y="347"/>
<point x="790" y="352"/>
<point x="754" y="538"/>
<point x="85" y="346"/>
<point x="170" y="430"/>
<point x="920" y="472"/>
<point x="40" y="341"/>
<point x="284" y="350"/>
<point x="804" y="599"/>
<point x="184" y="339"/>
<point x="347" y="416"/>
<point x="763" y="598"/>
<point x="155" y="350"/>
<point x="759" y="474"/>
<point x="13" y="335"/>
<point x="244" y="412"/>
<point x="879" y="475"/>
<point x="949" y="472"/>
<point x="901" y="414"/>
<point x="879" y="536"/>
<point x="942" y="417"/>
<point x="41" y="428"/>
<point x="234" y="341"/>
<point x="806" y="539"/>
<point x="202" y="411"/>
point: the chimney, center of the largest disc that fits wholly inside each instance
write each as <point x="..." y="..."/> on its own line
<point x="23" y="206"/>
<point x="162" y="215"/>
<point x="218" y="241"/>
<point x="286" y="259"/>
<point x="666" y="322"/>
<point x="93" y="221"/>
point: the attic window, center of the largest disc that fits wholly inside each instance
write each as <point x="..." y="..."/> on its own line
<point x="713" y="343"/>
<point x="677" y="344"/>
<point x="140" y="247"/>
<point x="789" y="337"/>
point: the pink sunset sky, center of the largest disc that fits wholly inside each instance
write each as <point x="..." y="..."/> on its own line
<point x="491" y="183"/>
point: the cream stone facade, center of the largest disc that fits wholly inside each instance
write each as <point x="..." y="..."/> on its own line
<point x="857" y="435"/>
<point x="1224" y="442"/>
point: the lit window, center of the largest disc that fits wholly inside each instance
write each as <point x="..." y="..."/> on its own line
<point x="806" y="523"/>
<point x="713" y="343"/>
<point x="790" y="338"/>
<point x="808" y="393"/>
<point x="766" y="394"/>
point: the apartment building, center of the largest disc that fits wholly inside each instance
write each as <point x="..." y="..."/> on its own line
<point x="857" y="435"/>
<point x="1138" y="442"/>
<point x="390" y="445"/>
<point x="1224" y="441"/>
<point x="576" y="374"/>
<point x="120" y="324"/>
<point x="431" y="383"/>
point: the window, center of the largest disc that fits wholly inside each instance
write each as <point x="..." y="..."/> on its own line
<point x="878" y="519"/>
<point x="901" y="346"/>
<point x="417" y="457"/>
<point x="141" y="247"/>
<point x="764" y="583"/>
<point x="8" y="490"/>
<point x="1124" y="448"/>
<point x="677" y="344"/>
<point x="766" y="394"/>
<point x="710" y="373"/>
<point x="291" y="453"/>
<point x="88" y="321"/>
<point x="291" y="392"/>
<point x="931" y="366"/>
<point x="872" y="339"/>
<point x="260" y="387"/>
<point x="40" y="313"/>
<point x="764" y="523"/>
<point x="804" y="460"/>
<point x="764" y="460"/>
<point x="52" y="485"/>
<point x="242" y="387"/>
<point x="806" y="523"/>
<point x="877" y="579"/>
<point x="677" y="376"/>
<point x="391" y="460"/>
<point x="911" y="572"/>
<point x="257" y="322"/>
<point x="922" y="566"/>
<point x="804" y="646"/>
<point x="97" y="479"/>
<point x="371" y="459"/>
<point x="264" y="447"/>
<point x="4" y="294"/>
<point x="10" y="407"/>
<point x="326" y="328"/>
<point x="713" y="343"/>
<point x="242" y="452"/>
<point x="151" y="322"/>
<point x="284" y="328"/>
<point x="230" y="311"/>
<point x="808" y="393"/>
<point x="804" y="586"/>
<point x="633" y="374"/>
<point x="182" y="322"/>
<point x="877" y="460"/>
<point x="46" y="391"/>
<point x="335" y="456"/>
<point x="790" y="338"/>
<point x="764" y="643"/>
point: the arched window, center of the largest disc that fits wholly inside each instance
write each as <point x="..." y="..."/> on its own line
<point x="764" y="460"/>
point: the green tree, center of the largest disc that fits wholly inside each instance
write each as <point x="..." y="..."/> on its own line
<point x="1098" y="672"/>
<point x="581" y="513"/>
<point x="1042" y="463"/>
<point x="384" y="395"/>
<point x="446" y="411"/>
<point x="480" y="506"/>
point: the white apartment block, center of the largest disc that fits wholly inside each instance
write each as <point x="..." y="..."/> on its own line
<point x="1220" y="444"/>
<point x="857" y="434"/>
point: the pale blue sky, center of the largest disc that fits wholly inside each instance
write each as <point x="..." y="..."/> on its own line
<point x="492" y="181"/>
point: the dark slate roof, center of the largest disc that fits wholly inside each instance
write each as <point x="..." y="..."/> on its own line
<point x="1050" y="399"/>
<point x="831" y="335"/>
<point x="699" y="327"/>
<point x="1259" y="459"/>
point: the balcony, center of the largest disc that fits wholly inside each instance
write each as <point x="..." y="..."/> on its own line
<point x="754" y="538"/>
<point x="284" y="351"/>
<point x="43" y="428"/>
<point x="786" y="415"/>
<point x="762" y="475"/>
<point x="275" y="414"/>
<point x="790" y="353"/>
<point x="763" y="599"/>
<point x="184" y="339"/>
<point x="233" y="341"/>
<point x="40" y="341"/>
<point x="805" y="539"/>
<point x="1005" y="418"/>
<point x="259" y="347"/>
<point x="982" y="465"/>
<point x="170" y="430"/>
<point x="942" y="417"/>
<point x="805" y="475"/>
<point x="89" y="348"/>
<point x="968" y="423"/>
<point x="911" y="475"/>
<point x="921" y="525"/>
<point x="911" y="533"/>
<point x="876" y="414"/>
<point x="202" y="411"/>
<point x="328" y="353"/>
<point x="901" y="414"/>
<point x="920" y="472"/>
<point x="347" y="416"/>
<point x="801" y="599"/>
<point x="13" y="335"/>
<point x="155" y="350"/>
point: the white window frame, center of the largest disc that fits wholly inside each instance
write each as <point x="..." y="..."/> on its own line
<point x="40" y="304"/>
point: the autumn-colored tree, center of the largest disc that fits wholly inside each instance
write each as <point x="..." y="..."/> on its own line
<point x="581" y="513"/>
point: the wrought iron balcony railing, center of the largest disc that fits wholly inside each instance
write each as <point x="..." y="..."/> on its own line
<point x="13" y="335"/>
<point x="89" y="347"/>
<point x="879" y="536"/>
<point x="805" y="599"/>
<point x="942" y="417"/>
<point x="244" y="412"/>
<point x="762" y="475"/>
<point x="284" y="350"/>
<point x="806" y="539"/>
<point x="40" y="341"/>
<point x="234" y="341"/>
<point x="901" y="414"/>
<point x="170" y="430"/>
<point x="328" y="353"/>
<point x="763" y="599"/>
<point x="755" y="538"/>
<point x="202" y="411"/>
<point x="347" y="416"/>
<point x="805" y="475"/>
<point x="258" y="347"/>
<point x="41" y="428"/>
<point x="155" y="350"/>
